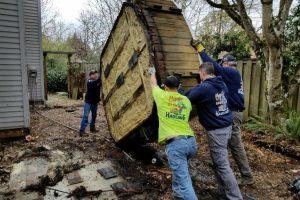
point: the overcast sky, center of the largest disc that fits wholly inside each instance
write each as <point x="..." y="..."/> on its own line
<point x="69" y="9"/>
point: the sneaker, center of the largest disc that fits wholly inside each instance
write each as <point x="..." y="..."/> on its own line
<point x="245" y="181"/>
<point x="93" y="129"/>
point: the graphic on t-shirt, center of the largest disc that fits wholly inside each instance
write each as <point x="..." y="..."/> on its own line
<point x="221" y="103"/>
<point x="176" y="106"/>
<point x="241" y="90"/>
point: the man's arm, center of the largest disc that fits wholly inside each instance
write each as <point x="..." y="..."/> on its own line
<point x="153" y="80"/>
<point x="194" y="95"/>
<point x="217" y="67"/>
<point x="94" y="82"/>
<point x="206" y="58"/>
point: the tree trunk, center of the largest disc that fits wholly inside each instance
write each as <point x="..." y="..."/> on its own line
<point x="275" y="93"/>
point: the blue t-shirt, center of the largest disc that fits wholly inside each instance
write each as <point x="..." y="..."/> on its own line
<point x="210" y="97"/>
<point x="233" y="81"/>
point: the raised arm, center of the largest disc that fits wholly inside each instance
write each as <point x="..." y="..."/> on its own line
<point x="153" y="80"/>
<point x="206" y="58"/>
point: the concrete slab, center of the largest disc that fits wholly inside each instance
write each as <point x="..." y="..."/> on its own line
<point x="74" y="178"/>
<point x="92" y="181"/>
<point x="35" y="168"/>
<point x="31" y="196"/>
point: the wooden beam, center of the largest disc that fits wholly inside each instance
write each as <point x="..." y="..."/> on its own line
<point x="13" y="133"/>
<point x="59" y="52"/>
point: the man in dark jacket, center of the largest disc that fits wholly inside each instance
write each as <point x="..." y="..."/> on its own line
<point x="210" y="97"/>
<point x="92" y="98"/>
<point x="234" y="83"/>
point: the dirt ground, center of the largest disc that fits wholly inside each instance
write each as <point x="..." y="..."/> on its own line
<point x="272" y="171"/>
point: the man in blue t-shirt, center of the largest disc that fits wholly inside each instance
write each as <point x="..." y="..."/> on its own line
<point x="234" y="83"/>
<point x="92" y="98"/>
<point x="211" y="98"/>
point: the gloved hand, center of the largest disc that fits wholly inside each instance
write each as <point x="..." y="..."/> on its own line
<point x="152" y="70"/>
<point x="197" y="45"/>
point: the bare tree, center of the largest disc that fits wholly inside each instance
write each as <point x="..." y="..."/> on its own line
<point x="96" y="22"/>
<point x="268" y="48"/>
<point x="49" y="16"/>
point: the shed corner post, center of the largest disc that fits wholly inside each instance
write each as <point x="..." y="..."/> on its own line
<point x="69" y="79"/>
<point x="45" y="75"/>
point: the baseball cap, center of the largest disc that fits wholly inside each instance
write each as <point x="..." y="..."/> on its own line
<point x="172" y="82"/>
<point x="229" y="59"/>
<point x="93" y="72"/>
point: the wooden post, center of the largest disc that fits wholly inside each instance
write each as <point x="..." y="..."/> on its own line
<point x="69" y="77"/>
<point x="45" y="76"/>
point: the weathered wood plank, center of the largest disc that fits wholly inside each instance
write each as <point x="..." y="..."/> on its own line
<point x="186" y="65"/>
<point x="247" y="86"/>
<point x="169" y="34"/>
<point x="11" y="104"/>
<point x="255" y="90"/>
<point x="167" y="16"/>
<point x="175" y="41"/>
<point x="181" y="57"/>
<point x="178" y="49"/>
<point x="12" y="133"/>
<point x="240" y="67"/>
<point x="263" y="105"/>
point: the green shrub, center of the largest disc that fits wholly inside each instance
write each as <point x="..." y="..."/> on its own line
<point x="57" y="81"/>
<point x="289" y="128"/>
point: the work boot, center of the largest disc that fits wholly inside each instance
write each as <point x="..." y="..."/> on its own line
<point x="93" y="129"/>
<point x="245" y="181"/>
<point x="81" y="133"/>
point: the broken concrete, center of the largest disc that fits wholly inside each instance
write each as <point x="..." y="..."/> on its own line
<point x="37" y="168"/>
<point x="92" y="181"/>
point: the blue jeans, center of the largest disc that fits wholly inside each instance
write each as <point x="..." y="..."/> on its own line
<point x="85" y="116"/>
<point x="178" y="153"/>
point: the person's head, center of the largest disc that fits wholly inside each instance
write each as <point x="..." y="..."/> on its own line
<point x="229" y="61"/>
<point x="172" y="83"/>
<point x="206" y="70"/>
<point x="93" y="74"/>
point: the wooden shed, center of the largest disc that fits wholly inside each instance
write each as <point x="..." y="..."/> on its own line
<point x="21" y="71"/>
<point x="146" y="33"/>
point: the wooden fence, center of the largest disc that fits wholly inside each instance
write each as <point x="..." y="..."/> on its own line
<point x="254" y="89"/>
<point x="78" y="74"/>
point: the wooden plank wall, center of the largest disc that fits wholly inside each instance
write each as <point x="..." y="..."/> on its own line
<point x="254" y="90"/>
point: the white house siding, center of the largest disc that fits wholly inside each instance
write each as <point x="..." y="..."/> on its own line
<point x="32" y="25"/>
<point x="14" y="111"/>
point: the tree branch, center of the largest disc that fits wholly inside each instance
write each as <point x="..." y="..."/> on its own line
<point x="283" y="14"/>
<point x="213" y="4"/>
<point x="267" y="17"/>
